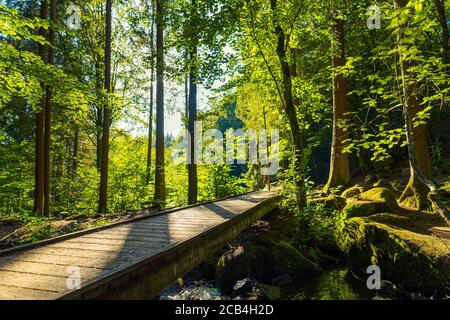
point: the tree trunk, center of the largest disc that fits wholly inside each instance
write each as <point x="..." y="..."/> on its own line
<point x="150" y="116"/>
<point x="291" y="113"/>
<point x="420" y="186"/>
<point x="75" y="152"/>
<point x="440" y="8"/>
<point x="160" y="184"/>
<point x="39" y="175"/>
<point x="103" y="195"/>
<point x="339" y="161"/>
<point x="48" y="111"/>
<point x="192" y="113"/>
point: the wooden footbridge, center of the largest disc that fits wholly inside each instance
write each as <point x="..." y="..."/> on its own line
<point x="132" y="259"/>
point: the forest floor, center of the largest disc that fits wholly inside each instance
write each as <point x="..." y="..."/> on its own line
<point x="18" y="232"/>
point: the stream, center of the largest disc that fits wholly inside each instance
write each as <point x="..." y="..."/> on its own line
<point x="335" y="283"/>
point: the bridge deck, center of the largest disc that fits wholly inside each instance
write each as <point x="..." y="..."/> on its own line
<point x="128" y="259"/>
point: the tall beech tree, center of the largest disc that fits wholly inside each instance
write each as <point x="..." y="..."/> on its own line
<point x="48" y="109"/>
<point x="192" y="104"/>
<point x="39" y="175"/>
<point x="160" y="183"/>
<point x="103" y="194"/>
<point x="339" y="160"/>
<point x="152" y="79"/>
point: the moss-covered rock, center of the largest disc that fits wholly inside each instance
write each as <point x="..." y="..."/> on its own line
<point x="382" y="183"/>
<point x="359" y="208"/>
<point x="416" y="261"/>
<point x="241" y="262"/>
<point x="268" y="291"/>
<point x="286" y="259"/>
<point x="376" y="200"/>
<point x="380" y="195"/>
<point x="353" y="191"/>
<point x="332" y="202"/>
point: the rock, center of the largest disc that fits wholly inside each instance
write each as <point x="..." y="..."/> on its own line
<point x="353" y="191"/>
<point x="286" y="259"/>
<point x="331" y="202"/>
<point x="358" y="208"/>
<point x="243" y="286"/>
<point x="380" y="194"/>
<point x="416" y="261"/>
<point x="376" y="200"/>
<point x="267" y="291"/>
<point x="267" y="239"/>
<point x="281" y="280"/>
<point x="382" y="183"/>
<point x="242" y="262"/>
<point x="317" y="256"/>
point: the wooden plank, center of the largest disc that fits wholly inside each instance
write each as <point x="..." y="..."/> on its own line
<point x="33" y="281"/>
<point x="12" y="293"/>
<point x="127" y="248"/>
<point x="47" y="269"/>
<point x="107" y="261"/>
<point x="120" y="243"/>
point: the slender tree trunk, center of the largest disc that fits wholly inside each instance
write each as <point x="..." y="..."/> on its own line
<point x="48" y="110"/>
<point x="192" y="113"/>
<point x="160" y="184"/>
<point x="442" y="16"/>
<point x="186" y="96"/>
<point x="339" y="161"/>
<point x="39" y="175"/>
<point x="291" y="113"/>
<point x="421" y="187"/>
<point x="75" y="152"/>
<point x="103" y="195"/>
<point x="150" y="116"/>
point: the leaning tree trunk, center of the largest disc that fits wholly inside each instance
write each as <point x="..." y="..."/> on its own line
<point x="103" y="195"/>
<point x="291" y="113"/>
<point x="420" y="187"/>
<point x="160" y="184"/>
<point x="339" y="161"/>
<point x="39" y="174"/>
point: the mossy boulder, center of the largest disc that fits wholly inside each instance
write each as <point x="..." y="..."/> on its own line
<point x="268" y="291"/>
<point x="250" y="261"/>
<point x="382" y="183"/>
<point x="416" y="261"/>
<point x="353" y="191"/>
<point x="376" y="200"/>
<point x="332" y="202"/>
<point x="380" y="194"/>
<point x="286" y="259"/>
